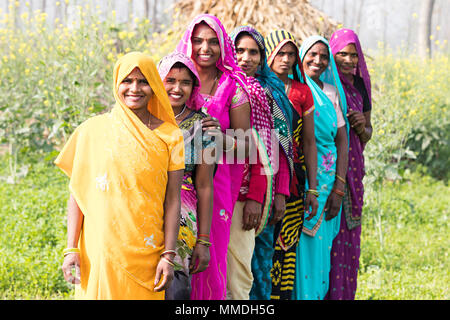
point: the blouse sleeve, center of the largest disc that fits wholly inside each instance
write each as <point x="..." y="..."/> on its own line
<point x="258" y="182"/>
<point x="308" y="105"/>
<point x="282" y="178"/>
<point x="240" y="97"/>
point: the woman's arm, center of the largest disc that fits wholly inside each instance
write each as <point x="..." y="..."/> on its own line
<point x="310" y="152"/>
<point x="240" y="119"/>
<point x="204" y="187"/>
<point x="172" y="205"/>
<point x="74" y="222"/>
<point x="333" y="204"/>
<point x="361" y="123"/>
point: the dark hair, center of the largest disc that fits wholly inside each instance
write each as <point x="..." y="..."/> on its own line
<point x="181" y="65"/>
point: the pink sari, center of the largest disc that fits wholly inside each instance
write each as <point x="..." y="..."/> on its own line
<point x="211" y="283"/>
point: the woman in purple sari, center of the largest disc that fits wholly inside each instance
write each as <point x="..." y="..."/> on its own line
<point x="355" y="80"/>
<point x="224" y="89"/>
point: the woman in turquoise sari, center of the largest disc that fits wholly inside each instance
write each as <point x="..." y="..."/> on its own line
<point x="331" y="132"/>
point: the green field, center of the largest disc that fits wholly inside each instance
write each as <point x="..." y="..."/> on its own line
<point x="52" y="79"/>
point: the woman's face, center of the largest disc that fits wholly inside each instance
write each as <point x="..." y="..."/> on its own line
<point x="316" y="60"/>
<point x="248" y="55"/>
<point x="135" y="90"/>
<point x="284" y="59"/>
<point x="178" y="84"/>
<point x="347" y="59"/>
<point x="205" y="46"/>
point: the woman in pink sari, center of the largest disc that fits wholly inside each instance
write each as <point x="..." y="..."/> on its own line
<point x="355" y="80"/>
<point x="224" y="89"/>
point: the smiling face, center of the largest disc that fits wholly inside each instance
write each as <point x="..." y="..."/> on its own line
<point x="248" y="55"/>
<point x="135" y="90"/>
<point x="316" y="60"/>
<point x="347" y="59"/>
<point x="178" y="84"/>
<point x="284" y="60"/>
<point x="205" y="46"/>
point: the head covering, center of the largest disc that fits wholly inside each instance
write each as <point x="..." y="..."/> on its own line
<point x="342" y="38"/>
<point x="275" y="40"/>
<point x="227" y="62"/>
<point x="330" y="75"/>
<point x="159" y="104"/>
<point x="266" y="76"/>
<point x="195" y="101"/>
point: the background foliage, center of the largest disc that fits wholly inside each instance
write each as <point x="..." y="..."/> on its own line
<point x="54" y="78"/>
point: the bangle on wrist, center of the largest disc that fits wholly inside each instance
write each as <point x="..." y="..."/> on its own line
<point x="203" y="235"/>
<point x="338" y="192"/>
<point x="67" y="251"/>
<point x="204" y="242"/>
<point x="168" y="261"/>
<point x="233" y="147"/>
<point x="169" y="252"/>
<point x="313" y="192"/>
<point x="340" y="178"/>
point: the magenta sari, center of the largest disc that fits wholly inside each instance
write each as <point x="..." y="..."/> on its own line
<point x="346" y="246"/>
<point x="211" y="283"/>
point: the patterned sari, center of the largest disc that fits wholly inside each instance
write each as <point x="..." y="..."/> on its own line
<point x="313" y="263"/>
<point x="289" y="230"/>
<point x="118" y="171"/>
<point x="346" y="247"/>
<point x="195" y="141"/>
<point x="231" y="92"/>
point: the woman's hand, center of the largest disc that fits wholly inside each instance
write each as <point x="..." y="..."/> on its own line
<point x="311" y="202"/>
<point x="165" y="269"/>
<point x="200" y="258"/>
<point x="71" y="260"/>
<point x="210" y="123"/>
<point x="332" y="206"/>
<point x="357" y="121"/>
<point x="279" y="207"/>
<point x="251" y="215"/>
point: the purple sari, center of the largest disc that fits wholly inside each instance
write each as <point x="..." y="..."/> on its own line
<point x="346" y="246"/>
<point x="211" y="283"/>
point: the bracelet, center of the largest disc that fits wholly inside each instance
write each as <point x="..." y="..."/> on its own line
<point x="338" y="192"/>
<point x="313" y="192"/>
<point x="67" y="251"/>
<point x="204" y="242"/>
<point x="168" y="261"/>
<point x="169" y="251"/>
<point x="233" y="147"/>
<point x="340" y="178"/>
<point x="203" y="235"/>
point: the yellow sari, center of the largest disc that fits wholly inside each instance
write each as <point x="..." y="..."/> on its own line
<point x="118" y="176"/>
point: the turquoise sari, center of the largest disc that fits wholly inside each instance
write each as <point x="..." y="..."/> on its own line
<point x="314" y="249"/>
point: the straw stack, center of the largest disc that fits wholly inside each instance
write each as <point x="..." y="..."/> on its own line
<point x="297" y="16"/>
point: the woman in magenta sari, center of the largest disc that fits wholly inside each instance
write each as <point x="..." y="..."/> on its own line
<point x="355" y="80"/>
<point x="224" y="90"/>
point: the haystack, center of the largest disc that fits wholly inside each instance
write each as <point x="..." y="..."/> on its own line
<point x="296" y="16"/>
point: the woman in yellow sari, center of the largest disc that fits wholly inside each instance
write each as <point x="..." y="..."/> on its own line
<point x="125" y="170"/>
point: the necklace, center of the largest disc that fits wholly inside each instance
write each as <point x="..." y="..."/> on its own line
<point x="287" y="87"/>
<point x="214" y="83"/>
<point x="148" y="123"/>
<point x="181" y="112"/>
